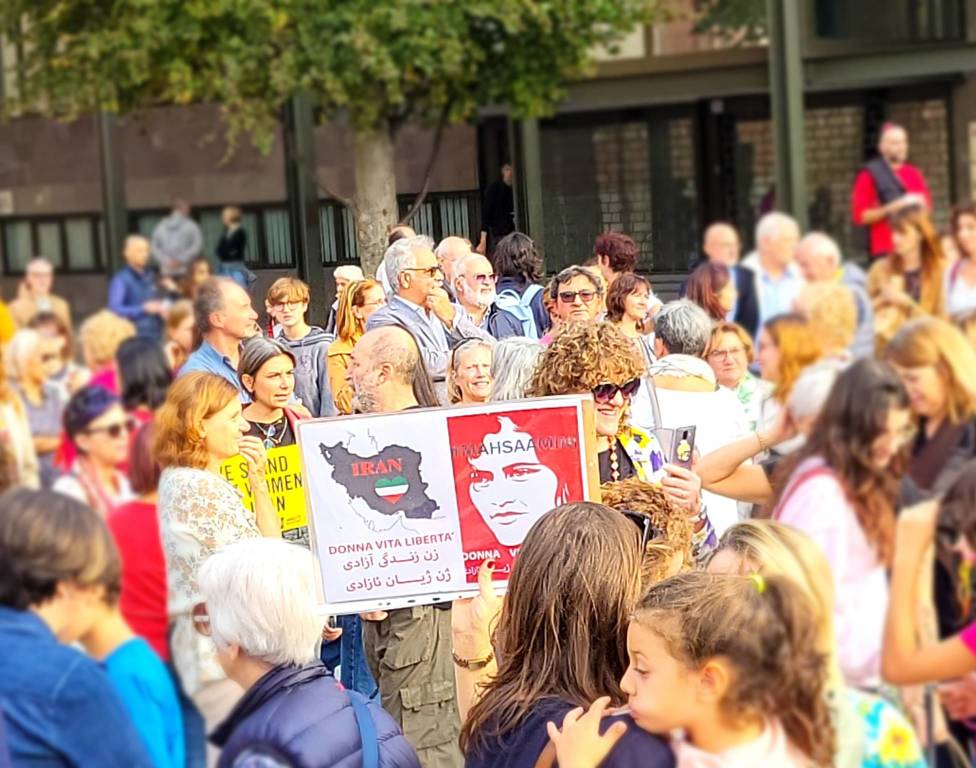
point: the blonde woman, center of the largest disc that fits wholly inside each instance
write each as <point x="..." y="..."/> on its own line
<point x="938" y="368"/>
<point x="869" y="730"/>
<point x="100" y="336"/>
<point x="469" y="372"/>
<point x="357" y="302"/>
<point x="831" y="311"/>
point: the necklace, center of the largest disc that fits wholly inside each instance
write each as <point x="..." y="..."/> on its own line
<point x="614" y="463"/>
<point x="273" y="434"/>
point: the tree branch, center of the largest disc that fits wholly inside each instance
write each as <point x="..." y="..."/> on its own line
<point x="346" y="201"/>
<point x="434" y="152"/>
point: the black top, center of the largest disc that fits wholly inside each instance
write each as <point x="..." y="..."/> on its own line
<point x="521" y="747"/>
<point x="232" y="245"/>
<point x="498" y="214"/>
<point x="625" y="468"/>
<point x="275" y="435"/>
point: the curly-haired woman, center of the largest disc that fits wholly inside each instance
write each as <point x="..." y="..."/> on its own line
<point x="198" y="428"/>
<point x="597" y="358"/>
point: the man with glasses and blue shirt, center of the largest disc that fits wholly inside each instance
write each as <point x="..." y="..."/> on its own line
<point x="420" y="304"/>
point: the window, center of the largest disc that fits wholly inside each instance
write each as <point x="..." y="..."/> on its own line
<point x="70" y="243"/>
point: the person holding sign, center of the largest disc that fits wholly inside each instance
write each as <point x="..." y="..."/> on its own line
<point x="267" y="373"/>
<point x="198" y="428"/>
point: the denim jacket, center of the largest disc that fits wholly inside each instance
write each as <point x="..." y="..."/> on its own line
<point x="58" y="705"/>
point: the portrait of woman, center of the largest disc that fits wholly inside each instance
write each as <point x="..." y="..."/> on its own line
<point x="509" y="470"/>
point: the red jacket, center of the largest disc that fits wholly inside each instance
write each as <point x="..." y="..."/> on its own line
<point x="865" y="196"/>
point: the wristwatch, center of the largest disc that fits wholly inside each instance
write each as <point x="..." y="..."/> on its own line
<point x="473" y="665"/>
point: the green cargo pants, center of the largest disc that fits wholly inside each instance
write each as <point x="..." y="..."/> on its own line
<point x="409" y="654"/>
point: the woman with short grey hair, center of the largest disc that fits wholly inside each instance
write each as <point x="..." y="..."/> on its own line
<point x="260" y="611"/>
<point x="267" y="373"/>
<point x="512" y="364"/>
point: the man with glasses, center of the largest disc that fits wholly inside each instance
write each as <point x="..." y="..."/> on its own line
<point x="288" y="299"/>
<point x="474" y="286"/>
<point x="577" y="296"/>
<point x="34" y="295"/>
<point x="420" y="304"/>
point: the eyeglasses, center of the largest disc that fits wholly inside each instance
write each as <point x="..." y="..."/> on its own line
<point x="485" y="279"/>
<point x="201" y="619"/>
<point x="722" y="355"/>
<point x="429" y="271"/>
<point x="569" y="297"/>
<point x="604" y="393"/>
<point x="648" y="531"/>
<point x="50" y="357"/>
<point x="113" y="430"/>
<point x="287" y="304"/>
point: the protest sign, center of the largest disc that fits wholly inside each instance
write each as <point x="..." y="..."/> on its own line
<point x="283" y="477"/>
<point x="405" y="507"/>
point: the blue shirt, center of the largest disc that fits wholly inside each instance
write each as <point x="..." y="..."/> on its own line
<point x="207" y="359"/>
<point x="147" y="691"/>
<point x="128" y="292"/>
<point x="58" y="705"/>
<point x="776" y="296"/>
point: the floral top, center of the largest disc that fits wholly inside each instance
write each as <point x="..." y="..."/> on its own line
<point x="872" y="733"/>
<point x="199" y="513"/>
<point x="750" y="393"/>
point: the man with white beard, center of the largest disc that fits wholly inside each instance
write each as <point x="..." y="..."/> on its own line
<point x="474" y="287"/>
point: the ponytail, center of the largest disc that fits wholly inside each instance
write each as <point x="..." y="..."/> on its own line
<point x="766" y="631"/>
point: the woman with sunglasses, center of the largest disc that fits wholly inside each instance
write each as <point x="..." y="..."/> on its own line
<point x="598" y="359"/>
<point x="98" y="428"/>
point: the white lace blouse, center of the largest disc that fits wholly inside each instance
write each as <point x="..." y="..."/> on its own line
<point x="199" y="513"/>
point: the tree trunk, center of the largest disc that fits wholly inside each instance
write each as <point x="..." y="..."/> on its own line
<point x="376" y="202"/>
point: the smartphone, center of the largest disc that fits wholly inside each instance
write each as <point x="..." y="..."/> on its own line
<point x="683" y="447"/>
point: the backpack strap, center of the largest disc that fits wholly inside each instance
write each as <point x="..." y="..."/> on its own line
<point x="367" y="731"/>
<point x="818" y="471"/>
<point x="954" y="273"/>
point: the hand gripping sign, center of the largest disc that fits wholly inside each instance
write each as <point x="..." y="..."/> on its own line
<point x="404" y="507"/>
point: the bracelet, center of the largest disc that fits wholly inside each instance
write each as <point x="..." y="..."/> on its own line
<point x="473" y="665"/>
<point x="762" y="443"/>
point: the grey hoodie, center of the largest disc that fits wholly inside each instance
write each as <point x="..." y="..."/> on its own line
<point x="176" y="241"/>
<point x="311" y="373"/>
<point x="854" y="278"/>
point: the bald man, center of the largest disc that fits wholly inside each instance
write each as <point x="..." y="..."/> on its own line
<point x="886" y="186"/>
<point x="416" y="682"/>
<point x="721" y="245"/>
<point x="133" y="292"/>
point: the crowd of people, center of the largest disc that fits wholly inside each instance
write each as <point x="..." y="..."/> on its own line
<point x="785" y="597"/>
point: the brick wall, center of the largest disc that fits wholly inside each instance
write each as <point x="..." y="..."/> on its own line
<point x="833" y="155"/>
<point x="928" y="133"/>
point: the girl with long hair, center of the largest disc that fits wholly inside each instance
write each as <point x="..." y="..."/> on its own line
<point x="960" y="286"/>
<point x="911" y="280"/>
<point x="730" y="666"/>
<point x="559" y="642"/>
<point x="628" y="304"/>
<point x="711" y="287"/>
<point x="866" y="725"/>
<point x="851" y="464"/>
<point x="357" y="302"/>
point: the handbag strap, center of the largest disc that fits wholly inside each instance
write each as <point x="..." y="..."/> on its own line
<point x="367" y="731"/>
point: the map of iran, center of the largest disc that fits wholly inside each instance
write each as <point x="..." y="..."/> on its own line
<point x="388" y="482"/>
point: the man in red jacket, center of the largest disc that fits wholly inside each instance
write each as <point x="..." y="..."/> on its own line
<point x="885" y="186"/>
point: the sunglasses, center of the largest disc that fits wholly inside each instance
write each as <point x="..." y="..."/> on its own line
<point x="114" y="430"/>
<point x="648" y="531"/>
<point x="484" y="279"/>
<point x="201" y="619"/>
<point x="569" y="297"/>
<point x="604" y="393"/>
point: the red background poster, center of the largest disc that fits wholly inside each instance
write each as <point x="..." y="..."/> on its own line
<point x="510" y="468"/>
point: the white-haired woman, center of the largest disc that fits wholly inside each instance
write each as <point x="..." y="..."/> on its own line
<point x="512" y="364"/>
<point x="724" y="470"/>
<point x="260" y="611"/>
